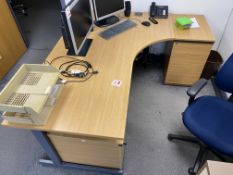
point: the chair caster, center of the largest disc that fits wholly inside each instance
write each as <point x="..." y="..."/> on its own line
<point x="169" y="137"/>
<point x="191" y="171"/>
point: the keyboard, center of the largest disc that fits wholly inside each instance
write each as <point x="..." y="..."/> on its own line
<point x="117" y="29"/>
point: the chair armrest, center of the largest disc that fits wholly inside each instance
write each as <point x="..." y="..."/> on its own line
<point x="197" y="87"/>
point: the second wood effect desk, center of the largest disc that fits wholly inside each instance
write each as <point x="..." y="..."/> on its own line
<point x="88" y="123"/>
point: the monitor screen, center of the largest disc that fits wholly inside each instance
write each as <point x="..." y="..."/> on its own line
<point x="80" y="21"/>
<point x="105" y="8"/>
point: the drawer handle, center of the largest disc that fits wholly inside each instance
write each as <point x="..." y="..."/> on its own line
<point x="121" y="145"/>
<point x="83" y="141"/>
<point x="1" y="58"/>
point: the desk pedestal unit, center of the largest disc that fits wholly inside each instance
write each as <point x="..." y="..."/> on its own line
<point x="87" y="126"/>
<point x="74" y="154"/>
<point x="186" y="62"/>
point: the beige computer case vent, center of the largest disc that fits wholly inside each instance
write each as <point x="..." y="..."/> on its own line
<point x="30" y="95"/>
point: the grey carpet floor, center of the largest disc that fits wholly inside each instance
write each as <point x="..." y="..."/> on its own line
<point x="154" y="111"/>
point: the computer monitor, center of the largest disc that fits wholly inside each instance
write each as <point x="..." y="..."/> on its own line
<point x="106" y="9"/>
<point x="77" y="22"/>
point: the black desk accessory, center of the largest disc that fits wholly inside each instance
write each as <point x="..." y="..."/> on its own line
<point x="117" y="29"/>
<point x="153" y="10"/>
<point x="107" y="21"/>
<point x="146" y="23"/>
<point x="127" y="8"/>
<point x="162" y="11"/>
<point x="153" y="20"/>
<point x="158" y="11"/>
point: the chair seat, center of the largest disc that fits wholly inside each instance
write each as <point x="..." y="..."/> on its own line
<point x="210" y="119"/>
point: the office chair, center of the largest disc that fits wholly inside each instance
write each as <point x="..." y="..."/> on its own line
<point x="18" y="6"/>
<point x="210" y="119"/>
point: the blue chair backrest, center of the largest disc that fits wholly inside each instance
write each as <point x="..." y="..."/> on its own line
<point x="224" y="77"/>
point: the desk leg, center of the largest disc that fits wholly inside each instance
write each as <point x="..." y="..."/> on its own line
<point x="48" y="147"/>
<point x="55" y="160"/>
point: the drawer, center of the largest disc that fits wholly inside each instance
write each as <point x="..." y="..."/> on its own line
<point x="191" y="48"/>
<point x="186" y="62"/>
<point x="89" y="151"/>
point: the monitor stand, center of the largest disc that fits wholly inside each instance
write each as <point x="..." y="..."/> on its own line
<point x="107" y="22"/>
<point x="84" y="49"/>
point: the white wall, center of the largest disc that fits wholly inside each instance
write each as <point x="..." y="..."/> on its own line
<point x="216" y="11"/>
<point x="226" y="44"/>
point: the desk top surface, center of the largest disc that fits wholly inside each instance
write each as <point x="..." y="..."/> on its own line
<point x="95" y="108"/>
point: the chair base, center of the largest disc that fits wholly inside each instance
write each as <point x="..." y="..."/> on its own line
<point x="203" y="150"/>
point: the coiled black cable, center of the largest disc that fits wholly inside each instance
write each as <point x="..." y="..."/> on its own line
<point x="67" y="71"/>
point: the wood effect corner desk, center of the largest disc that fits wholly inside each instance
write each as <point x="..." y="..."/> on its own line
<point x="88" y="123"/>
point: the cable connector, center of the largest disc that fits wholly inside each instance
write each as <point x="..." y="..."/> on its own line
<point x="95" y="72"/>
<point x="74" y="72"/>
<point x="63" y="81"/>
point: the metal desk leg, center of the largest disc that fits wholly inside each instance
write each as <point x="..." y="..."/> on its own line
<point x="55" y="160"/>
<point x="44" y="141"/>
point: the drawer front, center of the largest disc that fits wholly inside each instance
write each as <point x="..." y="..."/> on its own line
<point x="187" y="62"/>
<point x="89" y="151"/>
